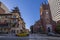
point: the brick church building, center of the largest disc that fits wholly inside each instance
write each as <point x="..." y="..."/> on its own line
<point x="46" y="19"/>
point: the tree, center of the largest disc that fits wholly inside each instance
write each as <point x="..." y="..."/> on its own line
<point x="58" y="28"/>
<point x="41" y="29"/>
<point x="31" y="28"/>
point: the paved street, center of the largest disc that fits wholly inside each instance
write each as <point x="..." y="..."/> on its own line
<point x="31" y="37"/>
<point x="42" y="37"/>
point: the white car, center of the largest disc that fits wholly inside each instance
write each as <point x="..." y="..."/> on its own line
<point x="51" y="34"/>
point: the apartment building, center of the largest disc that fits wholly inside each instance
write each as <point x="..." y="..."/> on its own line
<point x="10" y="22"/>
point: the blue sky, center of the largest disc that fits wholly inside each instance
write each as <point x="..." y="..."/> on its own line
<point x="30" y="9"/>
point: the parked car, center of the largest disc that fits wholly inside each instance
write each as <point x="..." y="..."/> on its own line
<point x="51" y="34"/>
<point x="22" y="34"/>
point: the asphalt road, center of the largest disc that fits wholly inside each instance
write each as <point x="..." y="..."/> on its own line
<point x="30" y="37"/>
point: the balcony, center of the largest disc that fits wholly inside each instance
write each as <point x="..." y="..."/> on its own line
<point x="3" y="25"/>
<point x="14" y="21"/>
<point x="15" y="17"/>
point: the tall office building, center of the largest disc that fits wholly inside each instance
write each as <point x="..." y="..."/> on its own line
<point x="55" y="9"/>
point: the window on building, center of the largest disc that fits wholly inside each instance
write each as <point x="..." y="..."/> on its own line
<point x="14" y="25"/>
<point x="13" y="31"/>
<point x="58" y="0"/>
<point x="4" y="28"/>
<point x="7" y="16"/>
<point x="14" y="16"/>
<point x="21" y="31"/>
<point x="17" y="31"/>
<point x="58" y="8"/>
<point x="8" y="21"/>
<point x="58" y="3"/>
<point x="14" y="20"/>
<point x="0" y="17"/>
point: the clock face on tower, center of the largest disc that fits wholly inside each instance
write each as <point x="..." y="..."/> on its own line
<point x="47" y="15"/>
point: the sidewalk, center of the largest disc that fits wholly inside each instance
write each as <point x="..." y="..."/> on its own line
<point x="55" y="35"/>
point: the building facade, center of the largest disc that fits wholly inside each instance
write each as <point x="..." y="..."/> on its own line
<point x="46" y="18"/>
<point x="37" y="27"/>
<point x="55" y="9"/>
<point x="10" y="22"/>
<point x="18" y="23"/>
